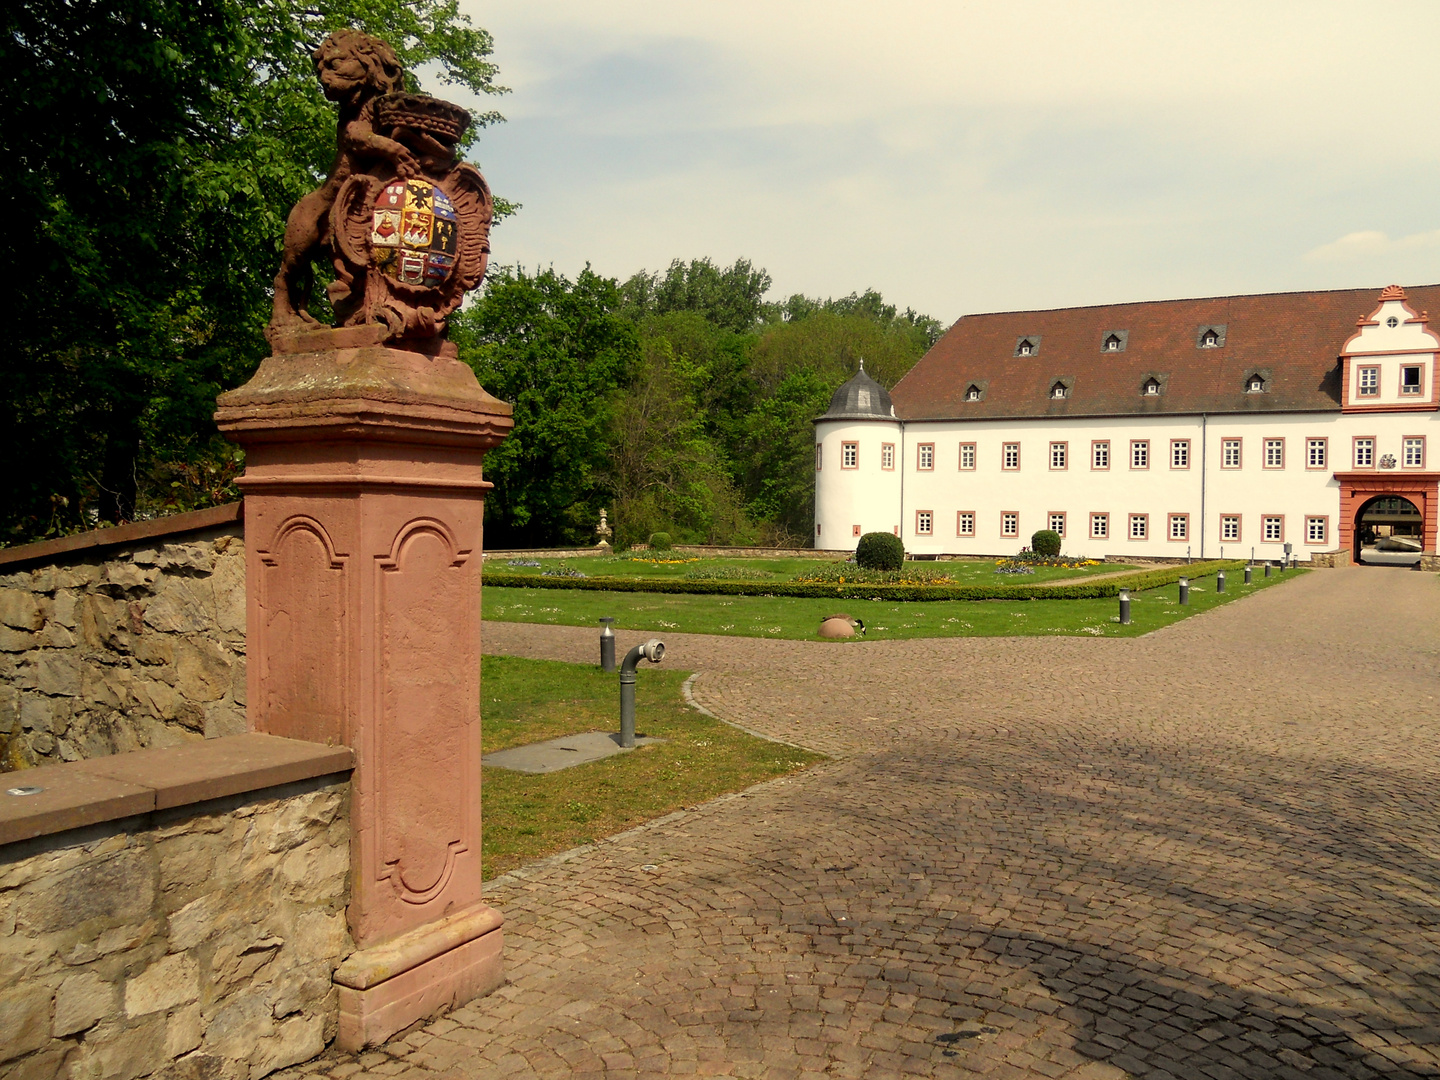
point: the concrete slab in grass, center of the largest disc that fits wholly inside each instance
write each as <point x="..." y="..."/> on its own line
<point x="562" y="753"/>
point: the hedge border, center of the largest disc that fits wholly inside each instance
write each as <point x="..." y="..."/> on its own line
<point x="1139" y="581"/>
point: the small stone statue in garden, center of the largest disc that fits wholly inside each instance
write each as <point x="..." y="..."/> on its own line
<point x="603" y="530"/>
<point x="404" y="222"/>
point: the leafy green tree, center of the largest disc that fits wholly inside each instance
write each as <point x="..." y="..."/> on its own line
<point x="732" y="298"/>
<point x="151" y="153"/>
<point x="558" y="351"/>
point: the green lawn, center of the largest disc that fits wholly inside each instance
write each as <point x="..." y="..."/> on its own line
<point x="760" y="616"/>
<point x="529" y="816"/>
<point x="675" y="566"/>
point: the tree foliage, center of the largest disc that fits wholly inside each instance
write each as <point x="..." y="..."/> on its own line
<point x="151" y="153"/>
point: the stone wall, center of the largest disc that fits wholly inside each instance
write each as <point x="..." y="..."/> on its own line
<point x="122" y="649"/>
<point x="193" y="943"/>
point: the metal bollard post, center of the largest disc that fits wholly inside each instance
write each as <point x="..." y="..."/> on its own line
<point x="1267" y="567"/>
<point x="1220" y="581"/>
<point x="607" y="645"/>
<point x="1184" y="592"/>
<point x="1249" y="574"/>
<point x="1124" y="607"/>
<point x="652" y="650"/>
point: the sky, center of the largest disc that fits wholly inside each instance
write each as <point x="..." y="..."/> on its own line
<point x="968" y="157"/>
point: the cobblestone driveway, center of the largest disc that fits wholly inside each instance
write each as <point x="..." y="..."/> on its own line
<point x="1210" y="852"/>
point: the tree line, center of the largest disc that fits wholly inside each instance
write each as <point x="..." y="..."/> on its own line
<point x="155" y="148"/>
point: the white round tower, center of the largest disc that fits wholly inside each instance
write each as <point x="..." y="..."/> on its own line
<point x="859" y="450"/>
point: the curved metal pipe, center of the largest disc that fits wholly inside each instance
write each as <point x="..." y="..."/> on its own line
<point x="653" y="651"/>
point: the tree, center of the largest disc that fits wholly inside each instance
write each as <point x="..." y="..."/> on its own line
<point x="731" y="299"/>
<point x="558" y="351"/>
<point x="152" y="156"/>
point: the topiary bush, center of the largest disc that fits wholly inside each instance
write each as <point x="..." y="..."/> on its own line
<point x="879" y="551"/>
<point x="660" y="542"/>
<point x="1046" y="542"/>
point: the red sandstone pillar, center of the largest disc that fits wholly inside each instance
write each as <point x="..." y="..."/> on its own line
<point x="364" y="501"/>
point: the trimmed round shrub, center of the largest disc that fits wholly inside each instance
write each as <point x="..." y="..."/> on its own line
<point x="1046" y="542"/>
<point x="660" y="542"/>
<point x="879" y="551"/>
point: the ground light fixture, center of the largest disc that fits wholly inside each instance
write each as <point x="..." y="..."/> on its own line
<point x="1220" y="581"/>
<point x="1124" y="607"/>
<point x="1184" y="592"/>
<point x="607" y="644"/>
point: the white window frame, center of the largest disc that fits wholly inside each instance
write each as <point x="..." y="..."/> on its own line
<point x="925" y="457"/>
<point x="1182" y="521"/>
<point x="1007" y="451"/>
<point x="1225" y="520"/>
<point x="1266" y="520"/>
<point x="1311" y="537"/>
<point x="1269" y="445"/>
<point x="1059" y="456"/>
<point x="1362" y="446"/>
<point x="1099" y="526"/>
<point x="1054" y="517"/>
<point x="1143" y="530"/>
<point x="1419" y="389"/>
<point x="1409" y="460"/>
<point x="1226" y="446"/>
<point x="1009" y="523"/>
<point x="1100" y="455"/>
<point x="924" y="523"/>
<point x="1317" y="453"/>
<point x="1179" y="453"/>
<point x="887" y="456"/>
<point x="972" y="455"/>
<point x="1139" y="454"/>
<point x="962" y="519"/>
<point x="1367" y="380"/>
<point x="850" y="454"/>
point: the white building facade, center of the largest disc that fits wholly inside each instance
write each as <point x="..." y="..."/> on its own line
<point x="1202" y="428"/>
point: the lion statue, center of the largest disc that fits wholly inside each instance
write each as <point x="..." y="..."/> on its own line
<point x="354" y="70"/>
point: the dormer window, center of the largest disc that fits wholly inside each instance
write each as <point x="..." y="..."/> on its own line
<point x="1059" y="390"/>
<point x="1112" y="344"/>
<point x="973" y="393"/>
<point x="1151" y="388"/>
<point x="1210" y="340"/>
<point x="1026" y="347"/>
<point x="1255" y="385"/>
<point x="1210" y="337"/>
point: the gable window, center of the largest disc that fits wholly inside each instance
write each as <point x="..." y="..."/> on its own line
<point x="1100" y="454"/>
<point x="965" y="523"/>
<point x="1139" y="526"/>
<point x="1272" y="528"/>
<point x="1140" y="454"/>
<point x="1009" y="523"/>
<point x="1100" y="526"/>
<point x="1362" y="453"/>
<point x="1059" y="455"/>
<point x="887" y="455"/>
<point x="1274" y="453"/>
<point x="1317" y="452"/>
<point x="1230" y="453"/>
<point x="1179" y="453"/>
<point x="849" y="455"/>
<point x="1410" y="380"/>
<point x="1059" y="390"/>
<point x="1010" y="455"/>
<point x="1317" y="530"/>
<point x="973" y="393"/>
<point x="1057" y="522"/>
<point x="1255" y="385"/>
<point x="1179" y="526"/>
<point x="925" y="456"/>
<point x="967" y="456"/>
<point x="1413" y="452"/>
<point x="1392" y="322"/>
<point x="1230" y="527"/>
<point x="924" y="523"/>
<point x="1368" y="381"/>
<point x="1151" y="388"/>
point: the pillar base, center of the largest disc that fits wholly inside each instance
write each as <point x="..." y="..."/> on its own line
<point x="384" y="996"/>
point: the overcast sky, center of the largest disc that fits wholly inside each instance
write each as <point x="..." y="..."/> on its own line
<point x="965" y="157"/>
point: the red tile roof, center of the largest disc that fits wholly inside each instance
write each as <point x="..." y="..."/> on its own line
<point x="1292" y="339"/>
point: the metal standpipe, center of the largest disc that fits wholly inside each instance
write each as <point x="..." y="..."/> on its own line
<point x="607" y="645"/>
<point x="1124" y="607"/>
<point x="1185" y="591"/>
<point x="1220" y="581"/>
<point x="653" y="651"/>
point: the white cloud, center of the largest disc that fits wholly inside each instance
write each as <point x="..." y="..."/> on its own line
<point x="1371" y="243"/>
<point x="967" y="156"/>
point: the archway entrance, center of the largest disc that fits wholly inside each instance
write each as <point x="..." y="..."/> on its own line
<point x="1389" y="531"/>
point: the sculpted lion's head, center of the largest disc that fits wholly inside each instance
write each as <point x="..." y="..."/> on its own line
<point x="349" y="61"/>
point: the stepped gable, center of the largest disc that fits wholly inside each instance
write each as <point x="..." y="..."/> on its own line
<point x="1292" y="339"/>
<point x="860" y="398"/>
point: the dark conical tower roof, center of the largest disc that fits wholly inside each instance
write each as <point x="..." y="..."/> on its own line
<point x="861" y="397"/>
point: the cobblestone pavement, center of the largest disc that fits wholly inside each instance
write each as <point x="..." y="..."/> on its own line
<point x="1209" y="852"/>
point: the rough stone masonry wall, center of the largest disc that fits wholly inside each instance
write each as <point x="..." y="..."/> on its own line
<point x="197" y="946"/>
<point x="139" y="647"/>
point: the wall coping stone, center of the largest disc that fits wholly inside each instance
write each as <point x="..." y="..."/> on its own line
<point x="79" y="793"/>
<point x="120" y="535"/>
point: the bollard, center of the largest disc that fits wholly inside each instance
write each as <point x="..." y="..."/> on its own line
<point x="652" y="650"/>
<point x="1220" y="581"/>
<point x="607" y="645"/>
<point x="1184" y="592"/>
<point x="1249" y="574"/>
<point x="1124" y="607"/>
<point x="1267" y="567"/>
<point x="1282" y="565"/>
